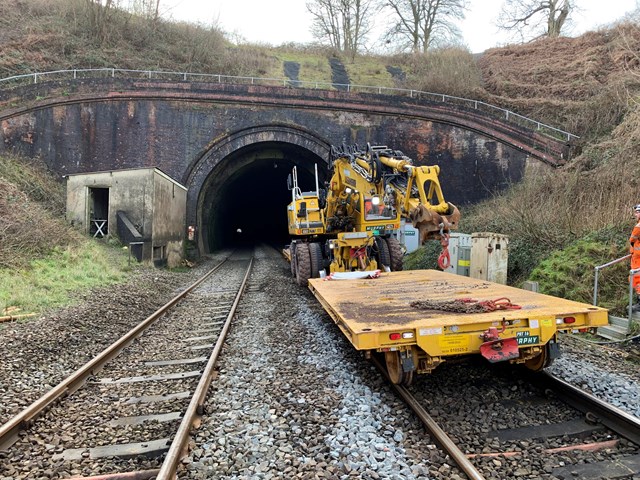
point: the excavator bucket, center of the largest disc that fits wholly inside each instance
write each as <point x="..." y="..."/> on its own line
<point x="500" y="350"/>
<point x="430" y="224"/>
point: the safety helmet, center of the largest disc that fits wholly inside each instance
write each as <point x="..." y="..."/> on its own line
<point x="636" y="208"/>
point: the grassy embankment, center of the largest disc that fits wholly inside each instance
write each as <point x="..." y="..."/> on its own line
<point x="562" y="223"/>
<point x="43" y="261"/>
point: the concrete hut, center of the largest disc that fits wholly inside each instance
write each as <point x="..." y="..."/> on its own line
<point x="143" y="207"/>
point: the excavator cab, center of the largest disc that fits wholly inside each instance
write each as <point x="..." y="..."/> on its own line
<point x="305" y="217"/>
<point x="376" y="209"/>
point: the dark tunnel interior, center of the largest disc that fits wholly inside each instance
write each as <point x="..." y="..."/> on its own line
<point x="247" y="196"/>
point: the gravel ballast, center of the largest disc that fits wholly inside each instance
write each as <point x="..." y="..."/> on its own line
<point x="292" y="398"/>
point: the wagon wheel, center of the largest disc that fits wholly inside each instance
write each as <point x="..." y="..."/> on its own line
<point x="394" y="369"/>
<point x="540" y="362"/>
<point x="395" y="254"/>
<point x="303" y="264"/>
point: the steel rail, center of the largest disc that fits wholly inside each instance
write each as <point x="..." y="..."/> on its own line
<point x="137" y="475"/>
<point x="196" y="406"/>
<point x="10" y="430"/>
<point x="439" y="435"/>
<point x="595" y="409"/>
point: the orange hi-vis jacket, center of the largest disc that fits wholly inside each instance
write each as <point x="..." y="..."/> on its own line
<point x="634" y="240"/>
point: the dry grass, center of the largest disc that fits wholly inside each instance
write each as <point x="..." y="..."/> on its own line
<point x="580" y="84"/>
<point x="29" y="228"/>
<point x="452" y="71"/>
<point x="548" y="210"/>
<point x="41" y="35"/>
<point x="32" y="206"/>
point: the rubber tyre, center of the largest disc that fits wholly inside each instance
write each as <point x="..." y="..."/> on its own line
<point x="395" y="254"/>
<point x="381" y="253"/>
<point x="303" y="264"/>
<point x="292" y="253"/>
<point x="317" y="263"/>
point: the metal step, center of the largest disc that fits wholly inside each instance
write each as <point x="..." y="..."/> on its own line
<point x="613" y="332"/>
<point x="619" y="322"/>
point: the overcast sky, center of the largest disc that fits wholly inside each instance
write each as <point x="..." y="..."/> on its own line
<point x="279" y="21"/>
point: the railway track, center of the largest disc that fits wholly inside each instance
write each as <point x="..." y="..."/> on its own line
<point x="549" y="429"/>
<point x="292" y="399"/>
<point x="130" y="409"/>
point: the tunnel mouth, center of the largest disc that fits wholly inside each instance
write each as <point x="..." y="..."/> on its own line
<point x="244" y="199"/>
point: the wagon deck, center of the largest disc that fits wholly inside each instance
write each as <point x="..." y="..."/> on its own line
<point x="418" y="307"/>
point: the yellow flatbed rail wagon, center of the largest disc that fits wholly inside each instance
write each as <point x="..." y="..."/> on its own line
<point x="421" y="318"/>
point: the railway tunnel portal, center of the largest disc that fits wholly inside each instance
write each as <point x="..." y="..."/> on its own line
<point x="244" y="196"/>
<point x="233" y="146"/>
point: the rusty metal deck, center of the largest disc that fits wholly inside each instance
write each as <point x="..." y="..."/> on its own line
<point x="366" y="309"/>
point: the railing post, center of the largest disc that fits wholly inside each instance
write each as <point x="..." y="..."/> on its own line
<point x="75" y="74"/>
<point x="597" y="272"/>
<point x="113" y="72"/>
<point x="632" y="274"/>
<point x="595" y="287"/>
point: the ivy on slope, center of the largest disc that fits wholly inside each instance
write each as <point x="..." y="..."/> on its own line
<point x="569" y="273"/>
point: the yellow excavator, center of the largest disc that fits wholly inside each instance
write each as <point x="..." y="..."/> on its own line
<point x="348" y="226"/>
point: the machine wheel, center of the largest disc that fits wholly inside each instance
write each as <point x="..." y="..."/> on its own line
<point x="292" y="253"/>
<point x="540" y="362"/>
<point x="394" y="369"/>
<point x="381" y="253"/>
<point x="395" y="254"/>
<point x="315" y="252"/>
<point x="303" y="264"/>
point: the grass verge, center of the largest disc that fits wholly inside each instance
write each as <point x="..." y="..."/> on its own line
<point x="54" y="280"/>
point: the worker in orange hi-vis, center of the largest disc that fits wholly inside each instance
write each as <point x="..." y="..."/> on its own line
<point x="634" y="249"/>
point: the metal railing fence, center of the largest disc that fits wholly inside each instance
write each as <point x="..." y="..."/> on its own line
<point x="507" y="115"/>
<point x="632" y="274"/>
<point x="597" y="275"/>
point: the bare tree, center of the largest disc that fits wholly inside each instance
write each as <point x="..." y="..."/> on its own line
<point x="344" y="24"/>
<point x="421" y="24"/>
<point x="535" y="18"/>
<point x="100" y="13"/>
<point x="149" y="9"/>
